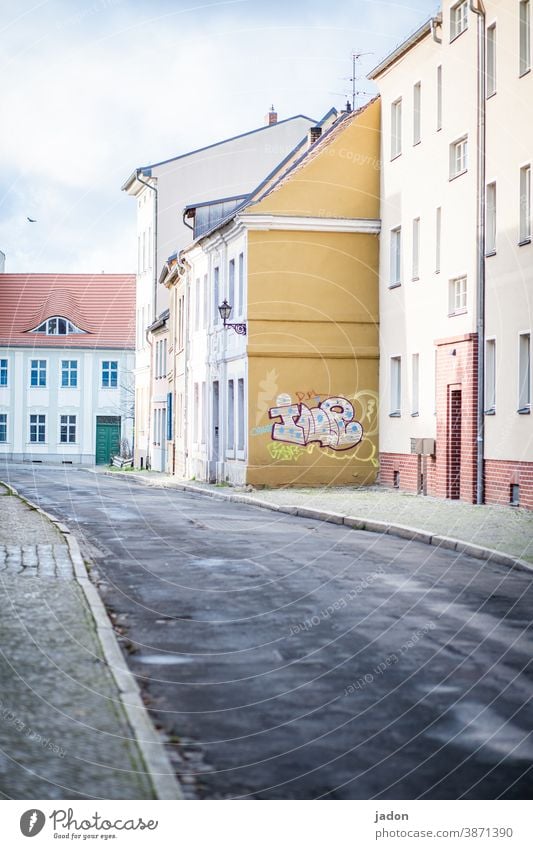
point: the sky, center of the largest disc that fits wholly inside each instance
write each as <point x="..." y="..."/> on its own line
<point x="92" y="90"/>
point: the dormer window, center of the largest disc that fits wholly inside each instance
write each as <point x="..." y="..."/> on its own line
<point x="57" y="326"/>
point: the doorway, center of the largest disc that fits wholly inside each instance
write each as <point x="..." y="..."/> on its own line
<point x="215" y="434"/>
<point x="107" y="439"/>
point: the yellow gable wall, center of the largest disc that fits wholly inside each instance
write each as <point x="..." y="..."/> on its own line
<point x="312" y="335"/>
<point x="340" y="181"/>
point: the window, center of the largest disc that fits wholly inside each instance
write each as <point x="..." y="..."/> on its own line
<point x="525" y="204"/>
<point x="491" y="60"/>
<point x="396" y="128"/>
<point x="458" y="19"/>
<point x="216" y="293"/>
<point x="109" y="373"/>
<point x="67" y="428"/>
<point x="458" y="295"/>
<point x="458" y="157"/>
<point x="57" y="326"/>
<point x="490" y="376"/>
<point x="231" y="283"/>
<point x="524" y="373"/>
<point x="144" y="251"/>
<point x="37" y="427"/>
<point x="241" y="284"/>
<point x="514" y="495"/>
<point x="416" y="248"/>
<point x="417" y="104"/>
<point x="180" y="322"/>
<point x="396" y="256"/>
<point x="231" y="416"/>
<point x="438" y="229"/>
<point x="439" y="97"/>
<point x="525" y="36"/>
<point x="490" y="234"/>
<point x="240" y="414"/>
<point x="205" y="303"/>
<point x="3" y="372"/>
<point x="204" y="413"/>
<point x="69" y="373"/>
<point x="197" y="305"/>
<point x="196" y="412"/>
<point x="415" y="370"/>
<point x="150" y="247"/>
<point x="3" y="427"/>
<point x="37" y="372"/>
<point x="396" y="386"/>
<point x="164" y="357"/>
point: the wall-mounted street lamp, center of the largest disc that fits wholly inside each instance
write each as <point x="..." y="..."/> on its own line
<point x="225" y="312"/>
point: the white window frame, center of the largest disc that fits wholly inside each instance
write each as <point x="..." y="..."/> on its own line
<point x="525" y="204"/>
<point x="69" y="424"/>
<point x="415" y="384"/>
<point x="231" y="284"/>
<point x="395" y="273"/>
<point x="458" y="19"/>
<point x="40" y="368"/>
<point x="439" y="98"/>
<point x="491" y="60"/>
<point x="4" y="415"/>
<point x="395" y="386"/>
<point x="396" y="128"/>
<point x="416" y="249"/>
<point x="524" y="37"/>
<point x="69" y="371"/>
<point x="4" y="368"/>
<point x="524" y="372"/>
<point x="240" y="285"/>
<point x="458" y="295"/>
<point x="417" y="113"/>
<point x="216" y="294"/>
<point x="490" y="376"/>
<point x="490" y="216"/>
<point x="241" y="416"/>
<point x="230" y="433"/>
<point x="102" y="384"/>
<point x="459" y="157"/>
<point x="38" y="424"/>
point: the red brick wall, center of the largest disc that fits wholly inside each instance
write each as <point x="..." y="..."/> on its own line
<point x="407" y="467"/>
<point x="500" y="474"/>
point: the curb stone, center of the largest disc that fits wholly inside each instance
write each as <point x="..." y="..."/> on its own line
<point x="492" y="555"/>
<point x="151" y="745"/>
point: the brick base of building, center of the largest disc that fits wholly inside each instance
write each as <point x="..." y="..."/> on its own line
<point x="403" y="471"/>
<point x="501" y="479"/>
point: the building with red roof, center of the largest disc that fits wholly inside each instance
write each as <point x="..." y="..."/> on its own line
<point x="66" y="366"/>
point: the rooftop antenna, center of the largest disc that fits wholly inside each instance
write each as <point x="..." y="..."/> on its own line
<point x="356" y="56"/>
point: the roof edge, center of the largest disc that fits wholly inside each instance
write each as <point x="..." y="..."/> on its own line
<point x="407" y="44"/>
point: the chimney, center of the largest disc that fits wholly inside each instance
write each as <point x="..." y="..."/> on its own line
<point x="2" y="262"/>
<point x="272" y="117"/>
<point x="314" y="134"/>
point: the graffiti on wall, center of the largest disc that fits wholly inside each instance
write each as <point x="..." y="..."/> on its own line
<point x="331" y="423"/>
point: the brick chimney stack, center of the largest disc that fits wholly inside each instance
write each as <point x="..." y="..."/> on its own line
<point x="272" y="117"/>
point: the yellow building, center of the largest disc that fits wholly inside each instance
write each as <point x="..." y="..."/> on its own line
<point x="294" y="401"/>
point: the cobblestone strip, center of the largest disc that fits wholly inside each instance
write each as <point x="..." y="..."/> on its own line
<point x="37" y="561"/>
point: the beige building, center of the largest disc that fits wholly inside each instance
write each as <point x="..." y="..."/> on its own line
<point x="456" y="260"/>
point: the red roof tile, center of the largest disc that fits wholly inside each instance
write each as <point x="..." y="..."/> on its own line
<point x="101" y="304"/>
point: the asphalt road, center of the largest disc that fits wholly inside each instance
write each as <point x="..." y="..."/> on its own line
<point x="286" y="658"/>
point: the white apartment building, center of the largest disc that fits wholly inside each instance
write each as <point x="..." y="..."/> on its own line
<point x="456" y="263"/>
<point x="226" y="172"/>
<point x="66" y="366"/>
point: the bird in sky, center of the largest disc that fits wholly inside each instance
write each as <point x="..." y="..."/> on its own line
<point x="31" y="220"/>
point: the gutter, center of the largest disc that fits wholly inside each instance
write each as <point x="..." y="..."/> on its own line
<point x="402" y="48"/>
<point x="476" y="6"/>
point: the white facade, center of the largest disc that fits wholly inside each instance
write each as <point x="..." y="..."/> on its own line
<point x="228" y="169"/>
<point x="57" y="421"/>
<point x="216" y="383"/>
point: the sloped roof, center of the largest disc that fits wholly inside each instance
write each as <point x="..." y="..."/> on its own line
<point x="103" y="305"/>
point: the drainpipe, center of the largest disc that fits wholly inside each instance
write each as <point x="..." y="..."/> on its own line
<point x="434" y="23"/>
<point x="154" y="316"/>
<point x="476" y="6"/>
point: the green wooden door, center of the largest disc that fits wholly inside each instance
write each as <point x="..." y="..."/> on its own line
<point x="107" y="438"/>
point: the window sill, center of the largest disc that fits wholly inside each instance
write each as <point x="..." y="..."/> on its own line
<point x="395" y="415"/>
<point x="524" y="411"/>
<point x="395" y="156"/>
<point x="414" y="415"/>
<point x="524" y="73"/>
<point x="459" y="174"/>
<point x="457" y="312"/>
<point x="491" y="95"/>
<point x="526" y="241"/>
<point x="490" y="412"/>
<point x="416" y="143"/>
<point x="394" y="285"/>
<point x="490" y="253"/>
<point x="415" y="279"/>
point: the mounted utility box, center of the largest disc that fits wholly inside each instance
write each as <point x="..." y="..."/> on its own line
<point x="423" y="446"/>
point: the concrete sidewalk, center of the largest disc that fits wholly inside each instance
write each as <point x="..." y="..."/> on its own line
<point x="505" y="529"/>
<point x="63" y="730"/>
